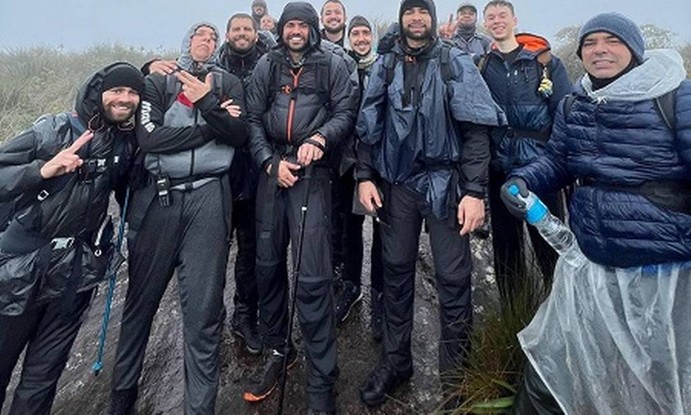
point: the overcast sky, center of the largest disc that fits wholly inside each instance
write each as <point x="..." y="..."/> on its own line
<point x="160" y="24"/>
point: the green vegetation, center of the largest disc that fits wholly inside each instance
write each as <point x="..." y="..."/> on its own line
<point x="40" y="80"/>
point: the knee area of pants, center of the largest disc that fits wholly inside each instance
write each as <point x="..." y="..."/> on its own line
<point x="398" y="267"/>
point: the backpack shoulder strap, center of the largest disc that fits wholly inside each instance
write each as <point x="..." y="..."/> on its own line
<point x="389" y="63"/>
<point x="568" y="103"/>
<point x="445" y="62"/>
<point x="482" y="63"/>
<point x="544" y="59"/>
<point x="666" y="106"/>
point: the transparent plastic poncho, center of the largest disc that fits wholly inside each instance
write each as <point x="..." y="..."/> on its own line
<point x="615" y="341"/>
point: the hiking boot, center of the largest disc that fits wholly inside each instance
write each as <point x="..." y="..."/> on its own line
<point x="380" y="382"/>
<point x="377" y="316"/>
<point x="122" y="401"/>
<point x="349" y="296"/>
<point x="270" y="376"/>
<point x="245" y="328"/>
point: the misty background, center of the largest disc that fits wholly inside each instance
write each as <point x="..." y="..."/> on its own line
<point x="158" y="25"/>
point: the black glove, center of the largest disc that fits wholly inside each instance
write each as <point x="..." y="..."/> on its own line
<point x="513" y="203"/>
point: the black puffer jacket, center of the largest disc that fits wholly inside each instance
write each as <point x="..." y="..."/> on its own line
<point x="242" y="64"/>
<point x="31" y="270"/>
<point x="287" y="104"/>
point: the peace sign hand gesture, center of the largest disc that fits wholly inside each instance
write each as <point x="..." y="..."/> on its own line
<point x="67" y="160"/>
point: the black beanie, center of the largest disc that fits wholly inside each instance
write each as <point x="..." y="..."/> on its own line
<point x="423" y="4"/>
<point x="358" y="21"/>
<point x="124" y="75"/>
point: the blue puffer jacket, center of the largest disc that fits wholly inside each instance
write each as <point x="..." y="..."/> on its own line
<point x="515" y="88"/>
<point x="617" y="142"/>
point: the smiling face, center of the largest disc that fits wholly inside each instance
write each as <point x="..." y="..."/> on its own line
<point x="333" y="17"/>
<point x="500" y="22"/>
<point x="241" y="35"/>
<point x="466" y="17"/>
<point x="417" y="23"/>
<point x="119" y="103"/>
<point x="604" y="55"/>
<point x="296" y="35"/>
<point x="360" y="39"/>
<point x="203" y="44"/>
<point x="267" y="23"/>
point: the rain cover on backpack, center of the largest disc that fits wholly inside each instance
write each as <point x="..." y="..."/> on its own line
<point x="615" y="341"/>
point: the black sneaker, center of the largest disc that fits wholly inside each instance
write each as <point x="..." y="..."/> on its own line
<point x="349" y="296"/>
<point x="245" y="328"/>
<point x="377" y="316"/>
<point x="270" y="375"/>
<point x="381" y="382"/>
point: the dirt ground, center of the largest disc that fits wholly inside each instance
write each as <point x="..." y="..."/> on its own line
<point x="161" y="384"/>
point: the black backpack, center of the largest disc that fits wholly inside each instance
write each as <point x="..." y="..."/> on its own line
<point x="390" y="58"/>
<point x="10" y="208"/>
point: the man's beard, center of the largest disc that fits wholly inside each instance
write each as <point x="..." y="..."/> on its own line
<point x="119" y="118"/>
<point x="336" y="30"/>
<point x="233" y="46"/>
<point x="415" y="36"/>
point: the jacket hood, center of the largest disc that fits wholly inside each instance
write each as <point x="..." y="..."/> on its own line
<point x="533" y="43"/>
<point x="427" y="4"/>
<point x="185" y="60"/>
<point x="302" y="11"/>
<point x="89" y="103"/>
<point x="661" y="71"/>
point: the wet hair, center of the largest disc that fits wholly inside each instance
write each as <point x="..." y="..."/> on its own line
<point x="499" y="3"/>
<point x="255" y="25"/>
<point x="332" y="1"/>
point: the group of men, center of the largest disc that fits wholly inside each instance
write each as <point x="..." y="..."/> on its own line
<point x="273" y="139"/>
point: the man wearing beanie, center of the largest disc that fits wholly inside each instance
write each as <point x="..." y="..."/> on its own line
<point x="527" y="82"/>
<point x="301" y="105"/>
<point x="466" y="37"/>
<point x="259" y="10"/>
<point x="423" y="155"/>
<point x="625" y="135"/>
<point x="333" y="18"/>
<point x="348" y="226"/>
<point x="180" y="217"/>
<point x="56" y="179"/>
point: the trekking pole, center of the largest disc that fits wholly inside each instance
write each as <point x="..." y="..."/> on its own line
<point x="296" y="274"/>
<point x="98" y="364"/>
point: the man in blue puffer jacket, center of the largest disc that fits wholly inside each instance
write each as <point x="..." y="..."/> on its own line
<point x="527" y="82"/>
<point x="632" y="209"/>
<point x="634" y="204"/>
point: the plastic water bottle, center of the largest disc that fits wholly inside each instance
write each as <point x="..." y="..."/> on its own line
<point x="553" y="230"/>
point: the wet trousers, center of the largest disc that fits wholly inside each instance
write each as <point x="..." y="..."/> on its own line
<point x="191" y="237"/>
<point x="278" y="223"/>
<point x="47" y="332"/>
<point x="452" y="264"/>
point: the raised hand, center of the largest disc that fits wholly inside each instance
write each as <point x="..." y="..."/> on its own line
<point x="193" y="88"/>
<point x="67" y="160"/>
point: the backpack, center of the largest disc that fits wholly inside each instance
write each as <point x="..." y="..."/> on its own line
<point x="389" y="61"/>
<point x="665" y="105"/>
<point x="10" y="208"/>
<point x="277" y="60"/>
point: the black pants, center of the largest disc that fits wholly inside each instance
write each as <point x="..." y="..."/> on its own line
<point x="278" y="223"/>
<point x="48" y="333"/>
<point x="246" y="297"/>
<point x="508" y="241"/>
<point x="347" y="237"/>
<point x="452" y="264"/>
<point x="533" y="397"/>
<point x="191" y="237"/>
